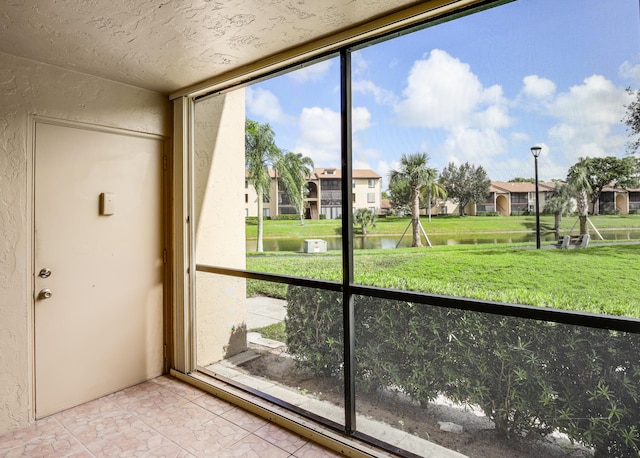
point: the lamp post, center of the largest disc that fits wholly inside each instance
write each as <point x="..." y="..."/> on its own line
<point x="535" y="150"/>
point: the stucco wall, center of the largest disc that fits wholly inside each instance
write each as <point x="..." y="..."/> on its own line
<point x="220" y="233"/>
<point x="27" y="88"/>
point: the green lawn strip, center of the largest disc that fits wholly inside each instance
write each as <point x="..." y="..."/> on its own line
<point x="449" y="225"/>
<point x="597" y="279"/>
<point x="275" y="332"/>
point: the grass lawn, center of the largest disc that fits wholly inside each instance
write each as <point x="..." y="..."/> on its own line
<point x="440" y="225"/>
<point x="598" y="279"/>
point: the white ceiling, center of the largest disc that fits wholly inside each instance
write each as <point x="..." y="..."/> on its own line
<point x="166" y="45"/>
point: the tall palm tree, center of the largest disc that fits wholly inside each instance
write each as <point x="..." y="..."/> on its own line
<point x="294" y="170"/>
<point x="580" y="182"/>
<point x="414" y="169"/>
<point x="261" y="154"/>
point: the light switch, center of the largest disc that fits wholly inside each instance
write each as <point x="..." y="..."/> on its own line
<point x="107" y="203"/>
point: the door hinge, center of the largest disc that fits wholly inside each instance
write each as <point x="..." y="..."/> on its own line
<point x="164" y="162"/>
<point x="164" y="256"/>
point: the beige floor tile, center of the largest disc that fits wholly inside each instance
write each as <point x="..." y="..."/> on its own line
<point x="213" y="404"/>
<point x="244" y="419"/>
<point x="186" y="415"/>
<point x="209" y="439"/>
<point x="84" y="413"/>
<point x="119" y="435"/>
<point x="60" y="443"/>
<point x="47" y="427"/>
<point x="280" y="437"/>
<point x="253" y="447"/>
<point x="178" y="387"/>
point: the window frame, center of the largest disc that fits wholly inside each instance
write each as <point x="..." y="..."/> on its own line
<point x="183" y="246"/>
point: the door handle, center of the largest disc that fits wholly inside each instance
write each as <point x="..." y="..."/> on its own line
<point x="44" y="273"/>
<point x="45" y="294"/>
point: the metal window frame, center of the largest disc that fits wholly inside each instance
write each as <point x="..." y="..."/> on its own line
<point x="346" y="286"/>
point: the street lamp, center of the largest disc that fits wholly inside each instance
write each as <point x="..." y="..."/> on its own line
<point x="535" y="150"/>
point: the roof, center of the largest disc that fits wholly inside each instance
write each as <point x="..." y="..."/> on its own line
<point x="320" y="173"/>
<point x="512" y="187"/>
<point x="330" y="172"/>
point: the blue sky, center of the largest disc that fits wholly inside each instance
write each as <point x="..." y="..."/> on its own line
<point x="483" y="89"/>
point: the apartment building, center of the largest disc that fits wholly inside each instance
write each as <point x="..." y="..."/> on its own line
<point x="324" y="194"/>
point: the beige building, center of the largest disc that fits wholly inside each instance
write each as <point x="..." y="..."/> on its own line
<point x="324" y="195"/>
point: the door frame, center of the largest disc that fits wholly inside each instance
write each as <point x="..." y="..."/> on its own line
<point x="167" y="236"/>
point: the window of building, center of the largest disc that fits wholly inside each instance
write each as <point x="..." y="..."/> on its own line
<point x="469" y="312"/>
<point x="372" y="183"/>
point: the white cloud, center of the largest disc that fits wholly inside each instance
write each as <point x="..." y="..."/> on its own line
<point x="443" y="92"/>
<point x="630" y="71"/>
<point x="596" y="101"/>
<point x="380" y="95"/>
<point x="263" y="103"/>
<point x="588" y="116"/>
<point x="360" y="118"/>
<point x="538" y="88"/>
<point x="313" y="72"/>
<point x="319" y="136"/>
<point x="473" y="145"/>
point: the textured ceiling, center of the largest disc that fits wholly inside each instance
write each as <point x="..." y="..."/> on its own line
<point x="167" y="45"/>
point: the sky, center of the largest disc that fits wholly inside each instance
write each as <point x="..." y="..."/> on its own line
<point x="483" y="88"/>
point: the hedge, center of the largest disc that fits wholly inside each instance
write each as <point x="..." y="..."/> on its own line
<point x="529" y="377"/>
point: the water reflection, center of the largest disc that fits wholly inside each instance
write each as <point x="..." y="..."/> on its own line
<point x="371" y="242"/>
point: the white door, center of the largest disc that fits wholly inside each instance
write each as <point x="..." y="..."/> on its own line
<point x="98" y="263"/>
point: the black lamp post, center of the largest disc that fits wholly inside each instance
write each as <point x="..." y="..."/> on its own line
<point x="535" y="150"/>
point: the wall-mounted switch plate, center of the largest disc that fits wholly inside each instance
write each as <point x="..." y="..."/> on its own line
<point x="107" y="203"/>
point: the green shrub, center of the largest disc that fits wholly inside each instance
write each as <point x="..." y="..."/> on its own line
<point x="288" y="217"/>
<point x="529" y="377"/>
<point x="323" y="216"/>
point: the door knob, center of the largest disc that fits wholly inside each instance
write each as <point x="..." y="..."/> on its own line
<point x="44" y="273"/>
<point x="45" y="294"/>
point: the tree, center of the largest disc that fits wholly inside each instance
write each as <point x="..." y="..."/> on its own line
<point x="632" y="120"/>
<point x="294" y="170"/>
<point x="522" y="180"/>
<point x="466" y="183"/>
<point x="578" y="179"/>
<point x="414" y="170"/>
<point x="400" y="194"/>
<point x="261" y="155"/>
<point x="608" y="171"/>
<point x="434" y="190"/>
<point x="364" y="217"/>
<point x="559" y="203"/>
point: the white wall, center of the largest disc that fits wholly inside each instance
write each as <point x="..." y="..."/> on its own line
<point x="27" y="88"/>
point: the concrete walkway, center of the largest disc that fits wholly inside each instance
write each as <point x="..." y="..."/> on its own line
<point x="264" y="311"/>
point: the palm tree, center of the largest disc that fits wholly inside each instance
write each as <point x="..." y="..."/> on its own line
<point x="261" y="154"/>
<point x="294" y="170"/>
<point x="559" y="203"/>
<point x="578" y="179"/>
<point x="434" y="190"/>
<point x="413" y="168"/>
<point x="364" y="217"/>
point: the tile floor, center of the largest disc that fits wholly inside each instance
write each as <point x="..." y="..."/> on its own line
<point x="163" y="417"/>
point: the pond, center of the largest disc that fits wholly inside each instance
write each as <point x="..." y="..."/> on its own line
<point x="389" y="241"/>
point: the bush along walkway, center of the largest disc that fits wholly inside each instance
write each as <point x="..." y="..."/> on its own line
<point x="529" y="377"/>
